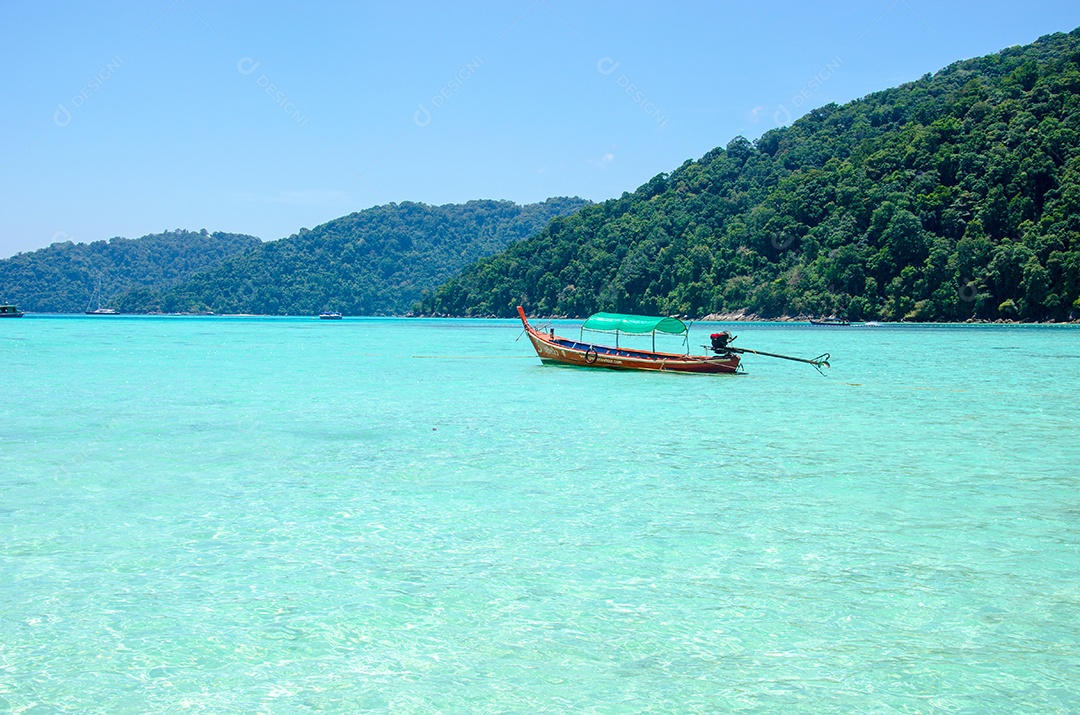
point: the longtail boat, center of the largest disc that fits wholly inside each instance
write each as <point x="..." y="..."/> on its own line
<point x="554" y="349"/>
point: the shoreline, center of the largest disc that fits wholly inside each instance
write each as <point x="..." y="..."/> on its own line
<point x="732" y="317"/>
<point x="739" y="316"/>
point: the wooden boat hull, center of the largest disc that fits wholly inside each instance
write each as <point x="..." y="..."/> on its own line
<point x="557" y="350"/>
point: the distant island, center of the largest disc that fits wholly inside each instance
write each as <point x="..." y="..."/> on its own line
<point x="955" y="197"/>
<point x="372" y="262"/>
<point x="71" y="277"/>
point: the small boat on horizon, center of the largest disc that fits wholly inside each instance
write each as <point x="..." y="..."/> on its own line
<point x="330" y="315"/>
<point x="836" y="322"/>
<point x="95" y="300"/>
<point x="10" y="311"/>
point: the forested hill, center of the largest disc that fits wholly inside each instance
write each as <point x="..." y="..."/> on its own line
<point x="952" y="197"/>
<point x="64" y="277"/>
<point x="374" y="262"/>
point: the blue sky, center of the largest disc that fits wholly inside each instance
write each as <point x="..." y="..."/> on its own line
<point x="129" y="118"/>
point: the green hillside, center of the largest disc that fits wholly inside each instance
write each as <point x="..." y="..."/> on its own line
<point x="374" y="262"/>
<point x="64" y="277"/>
<point x="953" y="197"/>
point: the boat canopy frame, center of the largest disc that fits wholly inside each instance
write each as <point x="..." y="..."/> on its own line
<point x="636" y="325"/>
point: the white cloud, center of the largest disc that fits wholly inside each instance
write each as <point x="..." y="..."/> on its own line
<point x="602" y="162"/>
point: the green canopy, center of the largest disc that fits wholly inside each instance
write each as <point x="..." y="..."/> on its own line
<point x="612" y="322"/>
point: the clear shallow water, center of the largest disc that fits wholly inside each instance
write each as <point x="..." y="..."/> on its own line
<point x="287" y="515"/>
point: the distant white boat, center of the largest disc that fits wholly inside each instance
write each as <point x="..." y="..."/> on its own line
<point x="95" y="299"/>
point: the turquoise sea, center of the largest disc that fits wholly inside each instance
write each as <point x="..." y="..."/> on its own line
<point x="258" y="515"/>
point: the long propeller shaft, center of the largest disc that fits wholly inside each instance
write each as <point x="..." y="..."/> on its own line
<point x="819" y="361"/>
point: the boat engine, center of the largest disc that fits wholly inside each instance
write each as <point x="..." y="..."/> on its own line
<point x="720" y="341"/>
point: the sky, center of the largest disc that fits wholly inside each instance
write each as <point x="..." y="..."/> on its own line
<point x="131" y="118"/>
